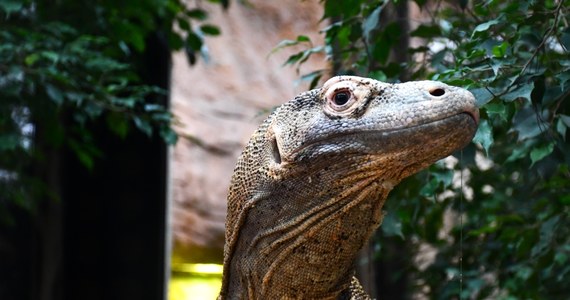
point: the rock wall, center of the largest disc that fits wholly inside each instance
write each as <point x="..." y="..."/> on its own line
<point x="219" y="102"/>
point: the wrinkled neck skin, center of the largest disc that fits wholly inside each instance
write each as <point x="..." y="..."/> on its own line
<point x="306" y="231"/>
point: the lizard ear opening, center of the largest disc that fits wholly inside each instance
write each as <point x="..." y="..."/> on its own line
<point x="276" y="154"/>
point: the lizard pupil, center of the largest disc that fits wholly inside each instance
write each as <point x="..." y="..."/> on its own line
<point x="341" y="98"/>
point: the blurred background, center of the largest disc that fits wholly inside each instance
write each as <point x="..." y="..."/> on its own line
<point x="121" y="122"/>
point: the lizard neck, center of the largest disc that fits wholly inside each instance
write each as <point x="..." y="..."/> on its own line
<point x="316" y="246"/>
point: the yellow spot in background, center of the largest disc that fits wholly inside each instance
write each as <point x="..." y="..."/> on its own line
<point x="195" y="282"/>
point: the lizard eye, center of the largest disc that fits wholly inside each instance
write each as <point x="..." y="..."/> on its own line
<point x="340" y="99"/>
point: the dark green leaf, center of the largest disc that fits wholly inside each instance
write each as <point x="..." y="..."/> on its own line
<point x="426" y="31"/>
<point x="371" y="22"/>
<point x="500" y="50"/>
<point x="169" y="136"/>
<point x="497" y="109"/>
<point x="9" y="142"/>
<point x="193" y="42"/>
<point x="420" y="3"/>
<point x="521" y="91"/>
<point x="563" y="79"/>
<point x="539" y="153"/>
<point x="561" y="128"/>
<point x="210" y="29"/>
<point x="118" y="124"/>
<point x="429" y="189"/>
<point x="198" y="14"/>
<point x="11" y="6"/>
<point x="31" y="59"/>
<point x="143" y="125"/>
<point x="392" y="225"/>
<point x="527" y="123"/>
<point x="184" y="24"/>
<point x="482" y="96"/>
<point x="547" y="230"/>
<point x="484" y="26"/>
<point x="54" y="93"/>
<point x="484" y="135"/>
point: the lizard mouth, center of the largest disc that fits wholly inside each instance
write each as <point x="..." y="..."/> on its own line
<point x="458" y="130"/>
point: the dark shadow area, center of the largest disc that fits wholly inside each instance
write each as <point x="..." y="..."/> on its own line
<point x="105" y="237"/>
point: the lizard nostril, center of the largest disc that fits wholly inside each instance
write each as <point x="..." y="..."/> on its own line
<point x="437" y="92"/>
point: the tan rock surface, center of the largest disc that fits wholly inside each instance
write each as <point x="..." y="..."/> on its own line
<point x="220" y="102"/>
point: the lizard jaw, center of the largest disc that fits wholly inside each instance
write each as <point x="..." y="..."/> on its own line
<point x="465" y="122"/>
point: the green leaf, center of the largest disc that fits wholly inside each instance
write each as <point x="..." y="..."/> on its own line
<point x="143" y="125"/>
<point x="484" y="26"/>
<point x="563" y="78"/>
<point x="565" y="199"/>
<point x="484" y="136"/>
<point x="371" y="23"/>
<point x="565" y="39"/>
<point x="497" y="109"/>
<point x="210" y="29"/>
<point x="547" y="230"/>
<point x="54" y="93"/>
<point x="378" y="75"/>
<point x="118" y="124"/>
<point x="524" y="273"/>
<point x="289" y="43"/>
<point x="426" y="31"/>
<point x="303" y="38"/>
<point x="184" y="24"/>
<point x="482" y="96"/>
<point x="420" y="3"/>
<point x="500" y="51"/>
<point x="11" y="6"/>
<point x="169" y="136"/>
<point x="561" y="128"/>
<point x="293" y="58"/>
<point x="31" y="59"/>
<point x="9" y="142"/>
<point x="193" y="41"/>
<point x="520" y="151"/>
<point x="312" y="78"/>
<point x="484" y="230"/>
<point x="429" y="189"/>
<point x="198" y="14"/>
<point x="346" y="9"/>
<point x="526" y="123"/>
<point x="520" y="91"/>
<point x="539" y="153"/>
<point x="50" y="55"/>
<point x="153" y="107"/>
<point x="565" y="119"/>
<point x="392" y="225"/>
<point x="175" y="41"/>
<point x="104" y="64"/>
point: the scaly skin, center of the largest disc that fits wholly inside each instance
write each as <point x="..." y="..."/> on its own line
<point x="308" y="190"/>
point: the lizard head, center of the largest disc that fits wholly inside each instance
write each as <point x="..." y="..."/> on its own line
<point x="416" y="122"/>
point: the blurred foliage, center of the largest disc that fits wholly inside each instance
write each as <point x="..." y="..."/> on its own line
<point x="498" y="217"/>
<point x="65" y="65"/>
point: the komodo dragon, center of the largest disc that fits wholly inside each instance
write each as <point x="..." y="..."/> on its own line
<point x="308" y="189"/>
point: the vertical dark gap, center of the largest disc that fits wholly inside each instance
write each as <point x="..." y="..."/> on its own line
<point x="114" y="223"/>
<point x="400" y="52"/>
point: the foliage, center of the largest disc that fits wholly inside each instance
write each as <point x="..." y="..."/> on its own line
<point x="67" y="65"/>
<point x="499" y="218"/>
